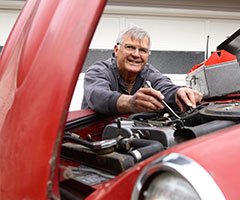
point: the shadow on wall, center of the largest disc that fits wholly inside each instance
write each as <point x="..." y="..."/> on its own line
<point x="168" y="62"/>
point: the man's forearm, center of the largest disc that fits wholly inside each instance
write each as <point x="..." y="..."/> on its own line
<point x="124" y="104"/>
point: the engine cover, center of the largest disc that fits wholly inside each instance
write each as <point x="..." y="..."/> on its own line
<point x="228" y="111"/>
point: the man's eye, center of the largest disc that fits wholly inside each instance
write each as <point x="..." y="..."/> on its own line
<point x="143" y="50"/>
<point x="130" y="47"/>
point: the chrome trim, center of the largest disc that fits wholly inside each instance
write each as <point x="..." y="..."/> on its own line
<point x="137" y="154"/>
<point x="191" y="171"/>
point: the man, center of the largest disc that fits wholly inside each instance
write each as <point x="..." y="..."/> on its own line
<point x="117" y="85"/>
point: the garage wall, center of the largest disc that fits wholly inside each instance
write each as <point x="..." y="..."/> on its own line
<point x="178" y="36"/>
<point x="7" y="20"/>
<point x="170" y="29"/>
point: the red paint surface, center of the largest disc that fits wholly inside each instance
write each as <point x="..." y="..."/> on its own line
<point x="39" y="68"/>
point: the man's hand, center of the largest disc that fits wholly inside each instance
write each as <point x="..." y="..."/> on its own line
<point x="144" y="100"/>
<point x="187" y="96"/>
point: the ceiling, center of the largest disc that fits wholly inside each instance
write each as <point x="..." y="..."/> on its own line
<point x="217" y="5"/>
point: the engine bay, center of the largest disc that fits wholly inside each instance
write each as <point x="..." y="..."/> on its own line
<point x="126" y="141"/>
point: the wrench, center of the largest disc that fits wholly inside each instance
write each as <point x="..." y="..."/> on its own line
<point x="148" y="84"/>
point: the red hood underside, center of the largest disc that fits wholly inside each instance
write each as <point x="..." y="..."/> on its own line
<point x="39" y="67"/>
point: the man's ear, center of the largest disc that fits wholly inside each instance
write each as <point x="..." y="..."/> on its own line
<point x="116" y="49"/>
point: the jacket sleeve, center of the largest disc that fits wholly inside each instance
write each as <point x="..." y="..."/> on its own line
<point x="98" y="94"/>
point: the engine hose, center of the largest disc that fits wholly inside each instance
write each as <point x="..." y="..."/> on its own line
<point x="142" y="148"/>
<point x="187" y="132"/>
<point x="78" y="141"/>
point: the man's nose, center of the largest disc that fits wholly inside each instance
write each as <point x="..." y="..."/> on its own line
<point x="136" y="52"/>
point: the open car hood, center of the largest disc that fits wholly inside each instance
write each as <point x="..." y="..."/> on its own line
<point x="39" y="67"/>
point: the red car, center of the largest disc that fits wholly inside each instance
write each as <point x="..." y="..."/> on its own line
<point x="48" y="153"/>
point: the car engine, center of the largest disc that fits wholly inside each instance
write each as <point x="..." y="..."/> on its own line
<point x="128" y="140"/>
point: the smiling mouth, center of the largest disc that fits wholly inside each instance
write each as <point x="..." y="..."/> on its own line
<point x="135" y="63"/>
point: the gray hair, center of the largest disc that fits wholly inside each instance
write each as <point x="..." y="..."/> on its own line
<point x="135" y="32"/>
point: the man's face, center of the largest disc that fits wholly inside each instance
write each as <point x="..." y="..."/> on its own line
<point x="131" y="55"/>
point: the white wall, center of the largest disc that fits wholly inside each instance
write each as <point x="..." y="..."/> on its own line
<point x="9" y="11"/>
<point x="170" y="29"/>
<point x="7" y="20"/>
